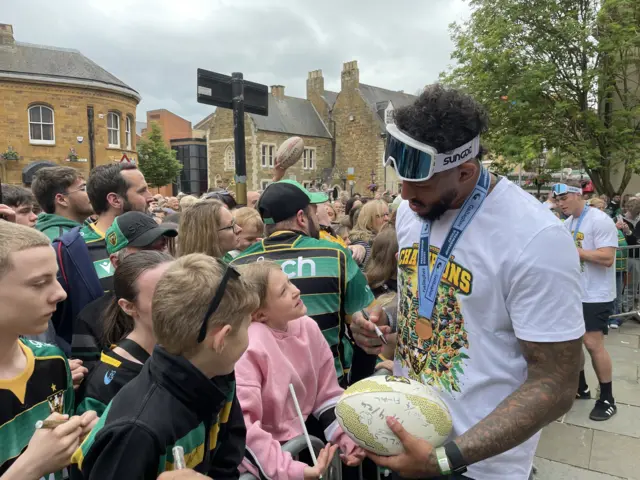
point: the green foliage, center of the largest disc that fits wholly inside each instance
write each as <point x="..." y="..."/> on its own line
<point x="560" y="75"/>
<point x="157" y="162"/>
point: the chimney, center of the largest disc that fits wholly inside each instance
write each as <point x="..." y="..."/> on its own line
<point x="6" y="35"/>
<point x="315" y="83"/>
<point x="350" y="75"/>
<point x="277" y="91"/>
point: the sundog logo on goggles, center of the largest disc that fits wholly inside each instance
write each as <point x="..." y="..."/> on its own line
<point x="562" y="189"/>
<point x="416" y="162"/>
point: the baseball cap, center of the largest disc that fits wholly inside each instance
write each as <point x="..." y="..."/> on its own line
<point x="136" y="229"/>
<point x="284" y="199"/>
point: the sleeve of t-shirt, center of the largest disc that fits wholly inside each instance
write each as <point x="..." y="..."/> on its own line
<point x="358" y="295"/>
<point x="544" y="296"/>
<point x="605" y="233"/>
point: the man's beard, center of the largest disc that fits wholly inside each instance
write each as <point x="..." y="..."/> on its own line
<point x="128" y="207"/>
<point x="314" y="231"/>
<point x="440" y="207"/>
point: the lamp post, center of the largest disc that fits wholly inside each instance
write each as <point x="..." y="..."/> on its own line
<point x="373" y="187"/>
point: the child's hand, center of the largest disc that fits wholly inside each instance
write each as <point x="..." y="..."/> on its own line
<point x="89" y="420"/>
<point x="324" y="460"/>
<point x="50" y="450"/>
<point x="78" y="372"/>
<point x="385" y="365"/>
<point x="355" y="458"/>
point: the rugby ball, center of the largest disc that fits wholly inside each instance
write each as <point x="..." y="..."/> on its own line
<point x="363" y="409"/>
<point x="289" y="152"/>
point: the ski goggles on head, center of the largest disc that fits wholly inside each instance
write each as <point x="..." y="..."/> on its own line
<point x="414" y="161"/>
<point x="562" y="189"/>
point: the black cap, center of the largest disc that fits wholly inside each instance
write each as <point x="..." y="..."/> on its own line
<point x="284" y="199"/>
<point x="136" y="229"/>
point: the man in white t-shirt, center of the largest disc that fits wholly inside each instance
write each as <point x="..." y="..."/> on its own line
<point x="499" y="335"/>
<point x="596" y="238"/>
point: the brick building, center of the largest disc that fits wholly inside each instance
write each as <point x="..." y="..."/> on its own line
<point x="58" y="106"/>
<point x="288" y="116"/>
<point x="173" y="126"/>
<point x="346" y="129"/>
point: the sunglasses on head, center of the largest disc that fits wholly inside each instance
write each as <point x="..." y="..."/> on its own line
<point x="229" y="273"/>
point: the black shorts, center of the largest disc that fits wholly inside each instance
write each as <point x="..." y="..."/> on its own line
<point x="596" y="316"/>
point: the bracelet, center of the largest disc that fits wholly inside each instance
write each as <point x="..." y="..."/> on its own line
<point x="443" y="461"/>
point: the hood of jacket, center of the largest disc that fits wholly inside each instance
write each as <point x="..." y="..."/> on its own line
<point x="48" y="220"/>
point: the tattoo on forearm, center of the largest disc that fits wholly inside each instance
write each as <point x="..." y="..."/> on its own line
<point x="547" y="394"/>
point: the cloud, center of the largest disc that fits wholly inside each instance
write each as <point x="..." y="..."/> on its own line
<point x="155" y="46"/>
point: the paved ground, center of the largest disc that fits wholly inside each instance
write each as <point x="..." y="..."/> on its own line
<point x="576" y="448"/>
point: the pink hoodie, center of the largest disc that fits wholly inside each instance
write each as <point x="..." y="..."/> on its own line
<point x="273" y="360"/>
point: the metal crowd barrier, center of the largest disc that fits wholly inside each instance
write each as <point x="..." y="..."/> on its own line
<point x="627" y="302"/>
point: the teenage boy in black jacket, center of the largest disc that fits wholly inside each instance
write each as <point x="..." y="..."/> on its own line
<point x="185" y="394"/>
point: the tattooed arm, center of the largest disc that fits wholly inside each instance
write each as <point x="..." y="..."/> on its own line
<point x="547" y="394"/>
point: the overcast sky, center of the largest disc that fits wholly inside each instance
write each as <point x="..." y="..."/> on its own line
<point x="155" y="46"/>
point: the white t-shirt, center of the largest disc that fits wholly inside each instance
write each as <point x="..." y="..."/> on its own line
<point x="597" y="230"/>
<point x="514" y="274"/>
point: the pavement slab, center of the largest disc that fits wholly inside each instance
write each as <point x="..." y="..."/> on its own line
<point x="566" y="444"/>
<point x="615" y="455"/>
<point x="550" y="470"/>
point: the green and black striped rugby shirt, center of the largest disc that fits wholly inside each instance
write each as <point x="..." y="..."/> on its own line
<point x="44" y="387"/>
<point x="331" y="284"/>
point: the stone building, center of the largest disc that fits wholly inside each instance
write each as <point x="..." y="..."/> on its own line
<point x="346" y="129"/>
<point x="58" y="106"/>
<point x="288" y="116"/>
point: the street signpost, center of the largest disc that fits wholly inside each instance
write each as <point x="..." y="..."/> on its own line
<point x="241" y="96"/>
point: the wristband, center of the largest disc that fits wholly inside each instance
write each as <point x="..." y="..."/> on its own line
<point x="454" y="455"/>
<point x="443" y="461"/>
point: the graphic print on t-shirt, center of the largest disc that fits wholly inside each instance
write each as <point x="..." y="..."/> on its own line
<point x="432" y="350"/>
<point x="578" y="240"/>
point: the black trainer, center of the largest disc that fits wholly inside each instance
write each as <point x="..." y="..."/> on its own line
<point x="584" y="394"/>
<point x="603" y="410"/>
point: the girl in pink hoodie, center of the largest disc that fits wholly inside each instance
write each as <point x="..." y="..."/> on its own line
<point x="286" y="346"/>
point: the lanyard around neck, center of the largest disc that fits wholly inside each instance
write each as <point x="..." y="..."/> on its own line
<point x="428" y="280"/>
<point x="580" y="219"/>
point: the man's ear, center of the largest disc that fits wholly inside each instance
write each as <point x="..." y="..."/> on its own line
<point x="61" y="200"/>
<point x="301" y="219"/>
<point x="218" y="336"/>
<point x="115" y="200"/>
<point x="114" y="260"/>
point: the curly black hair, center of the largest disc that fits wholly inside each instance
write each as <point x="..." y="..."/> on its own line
<point x="443" y="118"/>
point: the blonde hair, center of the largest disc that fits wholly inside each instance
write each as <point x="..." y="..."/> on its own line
<point x="363" y="229"/>
<point x="257" y="275"/>
<point x="597" y="203"/>
<point x="188" y="201"/>
<point x="182" y="298"/>
<point x="382" y="263"/>
<point x="17" y="238"/>
<point x="199" y="226"/>
<point x="247" y="218"/>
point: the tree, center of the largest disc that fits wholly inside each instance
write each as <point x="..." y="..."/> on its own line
<point x="157" y="162"/>
<point x="556" y="75"/>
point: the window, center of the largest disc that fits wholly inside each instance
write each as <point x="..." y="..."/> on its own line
<point x="41" y="125"/>
<point x="127" y="131"/>
<point x="264" y="184"/>
<point x="113" y="129"/>
<point x="389" y="116"/>
<point x="268" y="152"/>
<point x="307" y="185"/>
<point x="229" y="159"/>
<point x="309" y="159"/>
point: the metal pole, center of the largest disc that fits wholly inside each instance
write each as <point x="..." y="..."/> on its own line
<point x="237" y="90"/>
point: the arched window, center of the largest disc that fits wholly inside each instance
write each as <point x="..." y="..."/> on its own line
<point x="113" y="129"/>
<point x="41" y="125"/>
<point x="127" y="131"/>
<point x="229" y="159"/>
